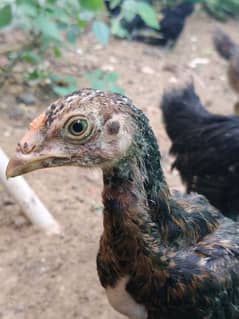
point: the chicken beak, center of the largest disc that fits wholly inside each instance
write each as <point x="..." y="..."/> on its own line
<point x="32" y="154"/>
<point x="17" y="166"/>
<point x="21" y="165"/>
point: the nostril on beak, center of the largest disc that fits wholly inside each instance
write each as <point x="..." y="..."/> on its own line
<point x="25" y="148"/>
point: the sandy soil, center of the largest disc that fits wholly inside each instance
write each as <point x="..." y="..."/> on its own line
<point x="55" y="276"/>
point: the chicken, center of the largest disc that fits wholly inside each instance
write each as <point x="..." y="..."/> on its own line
<point x="230" y="52"/>
<point x="161" y="255"/>
<point x="171" y="24"/>
<point x="206" y="147"/>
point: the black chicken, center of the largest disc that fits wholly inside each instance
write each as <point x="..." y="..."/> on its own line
<point x="206" y="147"/>
<point x="171" y="24"/>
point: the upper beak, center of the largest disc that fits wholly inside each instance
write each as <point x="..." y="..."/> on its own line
<point x="18" y="166"/>
<point x="32" y="155"/>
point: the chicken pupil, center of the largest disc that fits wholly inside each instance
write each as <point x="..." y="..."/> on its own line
<point x="77" y="127"/>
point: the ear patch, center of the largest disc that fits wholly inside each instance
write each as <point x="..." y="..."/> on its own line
<point x="113" y="127"/>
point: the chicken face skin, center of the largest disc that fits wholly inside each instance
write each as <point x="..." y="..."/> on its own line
<point x="78" y="130"/>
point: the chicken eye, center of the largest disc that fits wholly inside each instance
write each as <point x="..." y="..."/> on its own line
<point x="78" y="128"/>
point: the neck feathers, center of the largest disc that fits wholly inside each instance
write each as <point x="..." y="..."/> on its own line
<point x="135" y="187"/>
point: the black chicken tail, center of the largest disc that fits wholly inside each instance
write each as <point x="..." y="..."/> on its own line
<point x="185" y="121"/>
<point x="182" y="111"/>
<point x="224" y="44"/>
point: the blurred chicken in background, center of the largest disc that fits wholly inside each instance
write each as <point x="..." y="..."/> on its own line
<point x="171" y="23"/>
<point x="206" y="148"/>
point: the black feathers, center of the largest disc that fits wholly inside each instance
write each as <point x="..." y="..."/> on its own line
<point x="171" y="24"/>
<point x="206" y="147"/>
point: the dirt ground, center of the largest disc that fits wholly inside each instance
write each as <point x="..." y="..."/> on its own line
<point x="55" y="277"/>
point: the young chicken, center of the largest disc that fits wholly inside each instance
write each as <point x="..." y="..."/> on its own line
<point x="161" y="255"/>
<point x="229" y="50"/>
<point x="206" y="147"/>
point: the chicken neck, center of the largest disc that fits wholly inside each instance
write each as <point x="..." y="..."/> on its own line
<point x="135" y="194"/>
